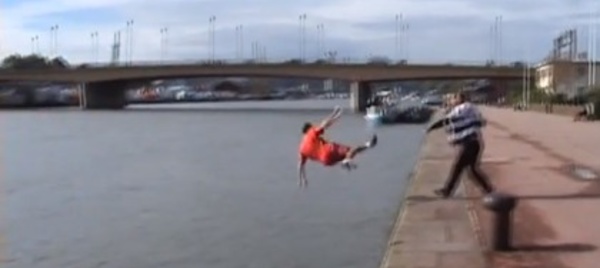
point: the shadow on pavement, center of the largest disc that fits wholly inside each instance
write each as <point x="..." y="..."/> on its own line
<point x="428" y="198"/>
<point x="559" y="197"/>
<point x="564" y="247"/>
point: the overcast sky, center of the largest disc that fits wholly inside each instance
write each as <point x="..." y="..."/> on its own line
<point x="440" y="30"/>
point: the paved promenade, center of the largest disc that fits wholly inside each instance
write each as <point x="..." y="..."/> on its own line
<point x="532" y="155"/>
<point x="430" y="232"/>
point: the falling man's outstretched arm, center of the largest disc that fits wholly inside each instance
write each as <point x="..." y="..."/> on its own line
<point x="331" y="118"/>
<point x="302" y="181"/>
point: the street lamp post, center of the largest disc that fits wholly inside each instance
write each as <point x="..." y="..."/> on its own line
<point x="397" y="37"/>
<point x="496" y="40"/>
<point x="406" y="45"/>
<point x="211" y="36"/>
<point x="37" y="45"/>
<point x="259" y="52"/>
<point x="491" y="44"/>
<point x="163" y="43"/>
<point x="493" y="40"/>
<point x="33" y="45"/>
<point x="320" y="40"/>
<point x="238" y="43"/>
<point x="97" y="55"/>
<point x="129" y="42"/>
<point x="242" y="42"/>
<point x="331" y="56"/>
<point x="255" y="53"/>
<point x="593" y="47"/>
<point x="214" y="38"/>
<point x="500" y="41"/>
<point x="56" y="41"/>
<point x="52" y="41"/>
<point x="209" y="40"/>
<point x="300" y="37"/>
<point x="323" y="39"/>
<point x="590" y="53"/>
<point x="93" y="37"/>
<point x="116" y="48"/>
<point x="304" y="37"/>
<point x="526" y="73"/>
<point x="302" y="22"/>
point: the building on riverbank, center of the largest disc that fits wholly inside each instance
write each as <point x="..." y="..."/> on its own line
<point x="568" y="77"/>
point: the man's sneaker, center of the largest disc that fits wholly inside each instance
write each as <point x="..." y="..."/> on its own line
<point x="372" y="142"/>
<point x="348" y="165"/>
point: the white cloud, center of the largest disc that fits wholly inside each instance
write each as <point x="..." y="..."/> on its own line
<point x="441" y="30"/>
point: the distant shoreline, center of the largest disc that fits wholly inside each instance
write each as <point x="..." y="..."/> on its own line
<point x="62" y="105"/>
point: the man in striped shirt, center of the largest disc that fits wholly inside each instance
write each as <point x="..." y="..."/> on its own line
<point x="463" y="123"/>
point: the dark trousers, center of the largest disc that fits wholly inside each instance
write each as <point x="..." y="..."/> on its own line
<point x="468" y="158"/>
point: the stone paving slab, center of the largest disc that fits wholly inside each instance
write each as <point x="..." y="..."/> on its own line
<point x="432" y="232"/>
<point x="528" y="154"/>
<point x="556" y="222"/>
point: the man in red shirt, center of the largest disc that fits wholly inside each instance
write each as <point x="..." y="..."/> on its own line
<point x="314" y="147"/>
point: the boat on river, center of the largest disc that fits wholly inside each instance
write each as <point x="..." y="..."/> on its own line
<point x="386" y="109"/>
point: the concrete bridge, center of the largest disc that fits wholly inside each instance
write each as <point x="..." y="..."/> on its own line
<point x="104" y="87"/>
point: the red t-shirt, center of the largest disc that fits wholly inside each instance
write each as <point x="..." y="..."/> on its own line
<point x="313" y="146"/>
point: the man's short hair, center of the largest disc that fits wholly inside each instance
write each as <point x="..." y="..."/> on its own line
<point x="462" y="96"/>
<point x="306" y="127"/>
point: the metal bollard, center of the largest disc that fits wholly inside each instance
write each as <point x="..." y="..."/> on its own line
<point x="501" y="205"/>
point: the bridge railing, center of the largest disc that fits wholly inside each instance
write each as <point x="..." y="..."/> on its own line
<point x="342" y="61"/>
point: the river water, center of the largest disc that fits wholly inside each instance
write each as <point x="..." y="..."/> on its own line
<point x="195" y="185"/>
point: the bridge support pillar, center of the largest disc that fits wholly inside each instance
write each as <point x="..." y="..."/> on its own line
<point x="500" y="88"/>
<point x="360" y="92"/>
<point x="103" y="95"/>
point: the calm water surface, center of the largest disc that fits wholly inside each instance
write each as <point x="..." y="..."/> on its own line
<point x="180" y="186"/>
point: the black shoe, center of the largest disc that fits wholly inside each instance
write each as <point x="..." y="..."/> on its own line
<point x="348" y="165"/>
<point x="441" y="193"/>
<point x="373" y="141"/>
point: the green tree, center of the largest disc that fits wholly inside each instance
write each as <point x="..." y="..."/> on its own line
<point x="33" y="61"/>
<point x="379" y="60"/>
<point x="537" y="95"/>
<point x="559" y="98"/>
<point x="320" y="62"/>
<point x="593" y="95"/>
<point x="294" y="61"/>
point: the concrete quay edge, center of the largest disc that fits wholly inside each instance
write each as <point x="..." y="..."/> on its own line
<point x="430" y="232"/>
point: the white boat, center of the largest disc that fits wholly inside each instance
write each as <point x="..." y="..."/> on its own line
<point x="373" y="113"/>
<point x="374" y="116"/>
<point x="392" y="111"/>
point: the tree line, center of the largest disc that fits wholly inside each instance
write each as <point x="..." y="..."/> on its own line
<point x="32" y="62"/>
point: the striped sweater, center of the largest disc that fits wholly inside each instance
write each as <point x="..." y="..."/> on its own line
<point x="463" y="123"/>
